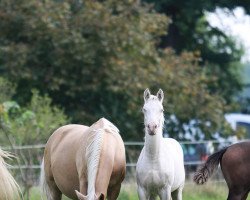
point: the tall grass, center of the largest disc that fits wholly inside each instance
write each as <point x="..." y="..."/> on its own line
<point x="209" y="191"/>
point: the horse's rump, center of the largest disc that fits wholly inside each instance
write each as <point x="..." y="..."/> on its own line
<point x="235" y="165"/>
<point x="75" y="151"/>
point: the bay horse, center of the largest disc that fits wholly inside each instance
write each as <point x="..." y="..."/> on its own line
<point x="235" y="166"/>
<point x="85" y="163"/>
<point x="9" y="188"/>
<point x="160" y="167"/>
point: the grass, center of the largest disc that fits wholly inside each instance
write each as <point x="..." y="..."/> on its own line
<point x="217" y="191"/>
<point x="210" y="191"/>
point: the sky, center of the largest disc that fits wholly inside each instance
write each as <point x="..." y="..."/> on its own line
<point x="236" y="24"/>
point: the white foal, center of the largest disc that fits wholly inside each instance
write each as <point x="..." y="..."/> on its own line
<point x="160" y="167"/>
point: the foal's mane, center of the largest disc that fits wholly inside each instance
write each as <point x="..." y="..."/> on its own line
<point x="93" y="150"/>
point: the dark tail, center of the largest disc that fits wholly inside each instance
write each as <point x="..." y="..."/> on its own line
<point x="201" y="176"/>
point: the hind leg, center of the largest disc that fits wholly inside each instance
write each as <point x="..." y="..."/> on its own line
<point x="113" y="192"/>
<point x="237" y="195"/>
<point x="245" y="197"/>
<point x="52" y="191"/>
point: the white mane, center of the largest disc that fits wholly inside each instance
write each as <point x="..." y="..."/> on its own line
<point x="93" y="152"/>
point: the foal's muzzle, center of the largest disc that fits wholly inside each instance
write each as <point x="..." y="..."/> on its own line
<point x="152" y="129"/>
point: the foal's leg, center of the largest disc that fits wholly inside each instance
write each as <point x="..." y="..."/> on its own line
<point x="152" y="197"/>
<point x="165" y="194"/>
<point x="177" y="194"/>
<point x="113" y="192"/>
<point x="142" y="193"/>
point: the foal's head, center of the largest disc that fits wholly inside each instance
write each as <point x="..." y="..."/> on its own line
<point x="153" y="112"/>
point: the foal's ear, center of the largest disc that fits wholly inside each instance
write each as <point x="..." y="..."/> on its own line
<point x="146" y="94"/>
<point x="80" y="196"/>
<point x="160" y="95"/>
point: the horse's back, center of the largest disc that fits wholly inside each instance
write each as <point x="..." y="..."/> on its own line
<point x="65" y="134"/>
<point x="65" y="140"/>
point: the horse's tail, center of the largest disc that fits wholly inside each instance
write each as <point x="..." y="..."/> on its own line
<point x="9" y="189"/>
<point x="93" y="152"/>
<point x="202" y="175"/>
<point x="43" y="184"/>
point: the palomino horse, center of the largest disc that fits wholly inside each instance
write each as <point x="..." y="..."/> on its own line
<point x="85" y="163"/>
<point x="235" y="165"/>
<point x="9" y="188"/>
<point x="160" y="167"/>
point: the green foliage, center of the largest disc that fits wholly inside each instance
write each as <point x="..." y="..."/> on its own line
<point x="7" y="90"/>
<point x="29" y="125"/>
<point x="32" y="124"/>
<point x="95" y="59"/>
<point x="190" y="31"/>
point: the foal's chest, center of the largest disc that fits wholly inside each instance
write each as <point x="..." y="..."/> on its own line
<point x="154" y="180"/>
<point x="153" y="176"/>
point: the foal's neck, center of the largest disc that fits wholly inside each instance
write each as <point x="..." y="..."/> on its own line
<point x="153" y="144"/>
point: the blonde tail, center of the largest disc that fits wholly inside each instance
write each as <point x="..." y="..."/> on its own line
<point x="9" y="189"/>
<point x="43" y="184"/>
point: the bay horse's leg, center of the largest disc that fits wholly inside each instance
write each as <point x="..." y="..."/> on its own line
<point x="245" y="197"/>
<point x="113" y="192"/>
<point x="235" y="195"/>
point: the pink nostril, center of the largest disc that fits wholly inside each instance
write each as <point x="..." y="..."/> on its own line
<point x="152" y="127"/>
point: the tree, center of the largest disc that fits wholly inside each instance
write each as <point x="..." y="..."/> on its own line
<point x="95" y="59"/>
<point x="27" y="126"/>
<point x="191" y="31"/>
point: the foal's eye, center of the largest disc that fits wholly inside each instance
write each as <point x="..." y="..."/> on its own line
<point x="143" y="110"/>
<point x="162" y="110"/>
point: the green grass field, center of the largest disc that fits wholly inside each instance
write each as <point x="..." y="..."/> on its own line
<point x="210" y="191"/>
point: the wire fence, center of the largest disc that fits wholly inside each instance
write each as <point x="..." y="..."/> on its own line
<point x="209" y="146"/>
<point x="26" y="168"/>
